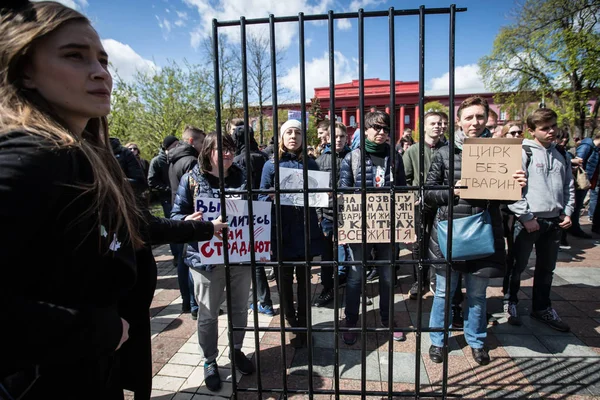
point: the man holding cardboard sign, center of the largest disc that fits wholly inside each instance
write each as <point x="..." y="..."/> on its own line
<point x="471" y="118"/>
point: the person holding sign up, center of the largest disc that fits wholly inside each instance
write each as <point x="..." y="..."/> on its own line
<point x="379" y="172"/>
<point x="471" y="118"/>
<point x="209" y="280"/>
<point x="292" y="227"/>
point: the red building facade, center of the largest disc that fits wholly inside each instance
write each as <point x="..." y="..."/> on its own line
<point x="377" y="97"/>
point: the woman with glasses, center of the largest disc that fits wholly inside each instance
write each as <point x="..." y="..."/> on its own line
<point x="134" y="148"/>
<point x="512" y="130"/>
<point x="209" y="280"/>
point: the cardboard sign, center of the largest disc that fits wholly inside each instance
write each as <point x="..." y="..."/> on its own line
<point x="487" y="169"/>
<point x="291" y="178"/>
<point x="378" y="218"/>
<point x="238" y="234"/>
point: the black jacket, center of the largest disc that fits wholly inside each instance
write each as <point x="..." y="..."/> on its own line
<point x="492" y="266"/>
<point x="181" y="160"/>
<point x="257" y="157"/>
<point x="65" y="301"/>
<point x="130" y="165"/>
<point x="158" y="175"/>
<point x="325" y="164"/>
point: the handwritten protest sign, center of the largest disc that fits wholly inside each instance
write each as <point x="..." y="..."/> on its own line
<point x="291" y="178"/>
<point x="378" y="218"/>
<point x="238" y="234"/>
<point x="487" y="169"/>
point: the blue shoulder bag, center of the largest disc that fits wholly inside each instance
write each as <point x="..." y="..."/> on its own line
<point x="472" y="237"/>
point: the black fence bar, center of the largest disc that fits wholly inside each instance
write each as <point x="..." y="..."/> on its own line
<point x="322" y="17"/>
<point x="447" y="299"/>
<point x="393" y="154"/>
<point x="250" y="197"/>
<point x="230" y="330"/>
<point x="279" y="265"/>
<point x="334" y="189"/>
<point x="307" y="219"/>
<point x="363" y="193"/>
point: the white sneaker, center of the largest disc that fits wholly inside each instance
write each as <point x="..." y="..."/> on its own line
<point x="512" y="315"/>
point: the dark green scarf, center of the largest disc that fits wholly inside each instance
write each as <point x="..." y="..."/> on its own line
<point x="372" y="147"/>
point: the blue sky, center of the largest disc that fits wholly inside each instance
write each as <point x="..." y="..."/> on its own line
<point x="142" y="34"/>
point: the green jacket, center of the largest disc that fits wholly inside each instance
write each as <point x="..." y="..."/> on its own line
<point x="411" y="162"/>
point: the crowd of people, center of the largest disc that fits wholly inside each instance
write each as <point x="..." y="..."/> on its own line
<point x="79" y="313"/>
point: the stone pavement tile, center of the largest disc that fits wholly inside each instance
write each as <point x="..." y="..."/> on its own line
<point x="567" y="309"/>
<point x="461" y="378"/>
<point x="167" y="383"/>
<point x="350" y="365"/>
<point x="511" y="392"/>
<point x="191" y="348"/>
<point x="183" y="396"/>
<point x="407" y="388"/>
<point x="590" y="308"/>
<point x="158" y="306"/>
<point x="404" y="368"/>
<point x="164" y="347"/>
<point x="583" y="327"/>
<point x="562" y="396"/>
<point x="454" y="348"/>
<point x="161" y="395"/>
<point x="157" y="367"/>
<point x="593" y="343"/>
<point x="301" y="382"/>
<point x="526" y="293"/>
<point x="254" y="396"/>
<point x="523" y="346"/>
<point x="182" y="327"/>
<point x="176" y="370"/>
<point x="552" y="375"/>
<point x="166" y="295"/>
<point x="158" y="327"/>
<point x="569" y="346"/>
<point x="194" y="380"/>
<point x="355" y="384"/>
<point x="577" y="293"/>
<point x="186" y="359"/>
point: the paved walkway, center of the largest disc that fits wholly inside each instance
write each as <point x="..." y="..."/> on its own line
<point x="531" y="361"/>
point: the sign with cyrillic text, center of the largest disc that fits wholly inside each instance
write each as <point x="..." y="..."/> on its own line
<point x="487" y="169"/>
<point x="238" y="234"/>
<point x="378" y="218"/>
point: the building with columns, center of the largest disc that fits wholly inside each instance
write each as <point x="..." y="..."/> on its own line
<point x="377" y="96"/>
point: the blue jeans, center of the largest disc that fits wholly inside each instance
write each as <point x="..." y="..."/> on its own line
<point x="186" y="282"/>
<point x="327" y="271"/>
<point x="593" y="201"/>
<point x="579" y="198"/>
<point x="166" y="206"/>
<point x="546" y="240"/>
<point x="354" y="283"/>
<point x="475" y="329"/>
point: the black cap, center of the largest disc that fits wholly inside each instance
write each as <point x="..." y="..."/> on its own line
<point x="168" y="141"/>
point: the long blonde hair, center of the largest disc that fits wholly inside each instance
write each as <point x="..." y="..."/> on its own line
<point x="27" y="111"/>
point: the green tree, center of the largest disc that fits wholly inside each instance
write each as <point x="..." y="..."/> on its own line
<point x="550" y="50"/>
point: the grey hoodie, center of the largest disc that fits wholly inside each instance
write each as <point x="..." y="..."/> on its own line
<point x="550" y="191"/>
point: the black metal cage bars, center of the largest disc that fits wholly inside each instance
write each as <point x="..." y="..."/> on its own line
<point x="307" y="263"/>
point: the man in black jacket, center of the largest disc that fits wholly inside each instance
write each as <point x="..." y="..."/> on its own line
<point x="326" y="214"/>
<point x="181" y="160"/>
<point x="184" y="157"/>
<point x="158" y="180"/>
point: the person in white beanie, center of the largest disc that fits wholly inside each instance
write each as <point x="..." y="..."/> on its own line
<point x="292" y="227"/>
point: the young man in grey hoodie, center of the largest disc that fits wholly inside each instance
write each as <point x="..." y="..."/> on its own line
<point x="543" y="212"/>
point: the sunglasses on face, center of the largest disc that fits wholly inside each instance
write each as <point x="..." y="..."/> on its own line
<point x="134" y="149"/>
<point x="516" y="132"/>
<point x="378" y="128"/>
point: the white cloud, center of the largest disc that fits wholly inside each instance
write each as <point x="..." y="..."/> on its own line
<point x="125" y="61"/>
<point x="164" y="25"/>
<point x="307" y="42"/>
<point x="226" y="10"/>
<point x="356" y="4"/>
<point x="344" y="24"/>
<point x="317" y="74"/>
<point x="467" y="79"/>
<point x="167" y="10"/>
<point x="179" y="23"/>
<point x="75" y="4"/>
<point x="182" y="14"/>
